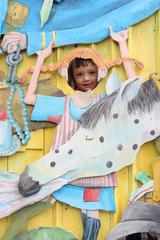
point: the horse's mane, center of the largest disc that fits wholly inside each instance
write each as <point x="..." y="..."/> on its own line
<point x="144" y="101"/>
<point x="91" y="117"/>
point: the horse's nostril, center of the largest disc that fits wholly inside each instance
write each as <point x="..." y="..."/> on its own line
<point x="27" y="186"/>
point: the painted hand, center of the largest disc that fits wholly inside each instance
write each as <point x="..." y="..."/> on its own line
<point x="119" y="36"/>
<point x="10" y="41"/>
<point x="45" y="52"/>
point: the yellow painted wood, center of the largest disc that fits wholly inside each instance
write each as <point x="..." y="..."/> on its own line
<point x="144" y="45"/>
<point x="36" y="141"/>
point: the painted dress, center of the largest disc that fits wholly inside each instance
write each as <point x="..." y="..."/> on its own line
<point x="67" y="114"/>
<point x="80" y="23"/>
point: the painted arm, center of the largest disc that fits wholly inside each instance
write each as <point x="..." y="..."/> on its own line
<point x="96" y="30"/>
<point x="30" y="97"/>
<point x="121" y="38"/>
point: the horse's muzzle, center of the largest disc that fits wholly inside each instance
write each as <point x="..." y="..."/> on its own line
<point x="27" y="186"/>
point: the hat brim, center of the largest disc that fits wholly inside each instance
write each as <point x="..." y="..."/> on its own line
<point x="15" y="146"/>
<point x="124" y="229"/>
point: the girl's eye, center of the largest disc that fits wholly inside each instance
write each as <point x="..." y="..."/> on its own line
<point x="92" y="73"/>
<point x="79" y="74"/>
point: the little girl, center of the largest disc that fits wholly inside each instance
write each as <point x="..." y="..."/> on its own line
<point x="83" y="69"/>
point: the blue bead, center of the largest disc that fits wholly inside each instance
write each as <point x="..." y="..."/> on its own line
<point x="9" y="115"/>
<point x="8" y="107"/>
<point x="24" y="114"/>
<point x="26" y="127"/>
<point x="24" y="106"/>
<point x="27" y="133"/>
<point x="12" y="121"/>
<point x="12" y="89"/>
<point x="10" y="98"/>
<point x="24" y="141"/>
<point x="25" y="124"/>
<point x="20" y="135"/>
<point x="18" y="129"/>
<point x="14" y="125"/>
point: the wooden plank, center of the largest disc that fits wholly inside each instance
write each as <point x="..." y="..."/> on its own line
<point x="36" y="140"/>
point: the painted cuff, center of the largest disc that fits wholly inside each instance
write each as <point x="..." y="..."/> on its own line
<point x="39" y="40"/>
<point x="34" y="42"/>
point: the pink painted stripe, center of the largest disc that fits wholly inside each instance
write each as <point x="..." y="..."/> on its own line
<point x="140" y="194"/>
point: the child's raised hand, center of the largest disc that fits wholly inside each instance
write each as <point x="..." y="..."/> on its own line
<point x="45" y="52"/>
<point x="119" y="36"/>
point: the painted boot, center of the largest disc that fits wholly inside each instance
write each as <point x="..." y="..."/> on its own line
<point x="91" y="227"/>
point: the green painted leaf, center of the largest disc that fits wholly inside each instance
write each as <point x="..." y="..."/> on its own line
<point x="43" y="233"/>
<point x="45" y="11"/>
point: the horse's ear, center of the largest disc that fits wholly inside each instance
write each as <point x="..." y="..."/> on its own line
<point x="130" y="88"/>
<point x="113" y="83"/>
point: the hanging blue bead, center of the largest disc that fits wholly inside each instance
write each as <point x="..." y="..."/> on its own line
<point x="13" y="60"/>
<point x="24" y="137"/>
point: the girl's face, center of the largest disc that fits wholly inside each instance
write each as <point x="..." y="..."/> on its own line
<point x="85" y="77"/>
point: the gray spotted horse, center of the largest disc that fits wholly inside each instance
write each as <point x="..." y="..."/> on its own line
<point x="110" y="135"/>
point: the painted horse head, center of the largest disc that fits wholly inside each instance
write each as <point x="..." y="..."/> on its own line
<point x="108" y="140"/>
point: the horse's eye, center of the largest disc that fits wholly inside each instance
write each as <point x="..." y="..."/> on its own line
<point x="89" y="138"/>
<point x="101" y="139"/>
<point x="52" y="164"/>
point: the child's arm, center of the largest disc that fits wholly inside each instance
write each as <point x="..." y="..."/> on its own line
<point x="121" y="38"/>
<point x="31" y="95"/>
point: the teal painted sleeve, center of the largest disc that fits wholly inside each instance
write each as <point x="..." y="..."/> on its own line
<point x="3" y="11"/>
<point x="119" y="19"/>
<point x="47" y="106"/>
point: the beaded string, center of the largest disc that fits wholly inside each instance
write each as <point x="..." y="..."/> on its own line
<point x="13" y="60"/>
<point x="24" y="137"/>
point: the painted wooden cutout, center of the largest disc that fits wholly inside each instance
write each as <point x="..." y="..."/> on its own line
<point x="146" y="187"/>
<point x="22" y="217"/>
<point x="13" y="60"/>
<point x="47" y="189"/>
<point x="149" y="185"/>
<point x="45" y="87"/>
<point x="72" y="28"/>
<point x="137" y="218"/>
<point x="54" y="233"/>
<point x="122" y="117"/>
<point x="17" y="14"/>
<point x="123" y="38"/>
